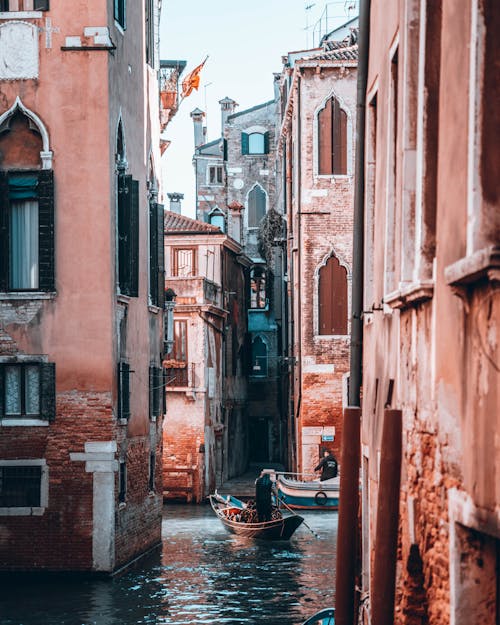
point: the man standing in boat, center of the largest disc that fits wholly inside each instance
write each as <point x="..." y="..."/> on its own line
<point x="328" y="466"/>
<point x="263" y="497"/>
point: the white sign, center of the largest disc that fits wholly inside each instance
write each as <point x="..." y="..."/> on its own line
<point x="18" y="51"/>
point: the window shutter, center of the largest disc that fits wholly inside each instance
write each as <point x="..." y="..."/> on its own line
<point x="339" y="139"/>
<point x="244" y="143"/>
<point x="134" y="240"/>
<point x="151" y="390"/>
<point x="224" y="149"/>
<point x="46" y="233"/>
<point x="266" y="142"/>
<point x="41" y="5"/>
<point x="4" y="232"/>
<point x="48" y="391"/>
<point x="2" y="391"/>
<point x="160" y="241"/>
<point x="123" y="390"/>
<point x="124" y="201"/>
<point x="157" y="381"/>
<point x="163" y="391"/>
<point x="153" y="253"/>
<point x="325" y="139"/>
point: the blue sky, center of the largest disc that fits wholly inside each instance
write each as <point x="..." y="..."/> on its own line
<point x="245" y="40"/>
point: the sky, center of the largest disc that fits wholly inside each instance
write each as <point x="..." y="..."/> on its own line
<point x="244" y="41"/>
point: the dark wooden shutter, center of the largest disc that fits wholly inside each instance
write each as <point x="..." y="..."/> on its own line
<point x="151" y="384"/>
<point x="163" y="391"/>
<point x="157" y="382"/>
<point x="134" y="240"/>
<point x="153" y="253"/>
<point x="224" y="149"/>
<point x="244" y="143"/>
<point x="266" y="143"/>
<point x="123" y="390"/>
<point x="46" y="230"/>
<point x="4" y="231"/>
<point x="339" y="139"/>
<point x="41" y="5"/>
<point x="124" y="203"/>
<point x="333" y="298"/>
<point x="48" y="391"/>
<point x="2" y="390"/>
<point x="160" y="242"/>
<point x="325" y="139"/>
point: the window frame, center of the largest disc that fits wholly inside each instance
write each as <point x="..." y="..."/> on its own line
<point x="256" y="187"/>
<point x="123" y="391"/>
<point x="44" y="488"/>
<point x="122" y="482"/>
<point x="216" y="169"/>
<point x="337" y="111"/>
<point x="175" y="261"/>
<point x="330" y="287"/>
<point x="253" y="370"/>
<point x="4" y="7"/>
<point x="120" y="13"/>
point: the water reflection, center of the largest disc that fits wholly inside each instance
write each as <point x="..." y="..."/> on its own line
<point x="205" y="575"/>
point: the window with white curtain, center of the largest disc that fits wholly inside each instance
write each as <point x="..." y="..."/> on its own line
<point x="23" y="231"/>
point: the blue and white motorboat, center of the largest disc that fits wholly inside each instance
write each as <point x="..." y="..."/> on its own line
<point x="300" y="492"/>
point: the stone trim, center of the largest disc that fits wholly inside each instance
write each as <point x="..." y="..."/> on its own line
<point x="44" y="488"/>
<point x="410" y="295"/>
<point x="481" y="265"/>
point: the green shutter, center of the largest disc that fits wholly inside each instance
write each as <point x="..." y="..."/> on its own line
<point x="134" y="240"/>
<point x="123" y="390"/>
<point x="124" y="199"/>
<point x="46" y="230"/>
<point x="224" y="149"/>
<point x="244" y="143"/>
<point x="48" y="391"/>
<point x="4" y="232"/>
<point x="266" y="142"/>
<point x="160" y="241"/>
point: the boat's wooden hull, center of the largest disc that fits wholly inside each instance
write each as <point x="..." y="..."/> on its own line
<point x="279" y="529"/>
<point x="308" y="495"/>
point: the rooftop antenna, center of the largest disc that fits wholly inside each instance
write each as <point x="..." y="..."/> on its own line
<point x="308" y="8"/>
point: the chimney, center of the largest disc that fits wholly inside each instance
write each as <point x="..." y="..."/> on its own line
<point x="175" y="202"/>
<point x="197" y="116"/>
<point x="227" y="107"/>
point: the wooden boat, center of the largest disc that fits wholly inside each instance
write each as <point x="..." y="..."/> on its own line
<point x="297" y="492"/>
<point x="229" y="509"/>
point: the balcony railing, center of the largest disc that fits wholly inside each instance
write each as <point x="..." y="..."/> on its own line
<point x="180" y="375"/>
<point x="170" y="72"/>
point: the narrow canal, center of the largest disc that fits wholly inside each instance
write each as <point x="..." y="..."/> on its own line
<point x="203" y="575"/>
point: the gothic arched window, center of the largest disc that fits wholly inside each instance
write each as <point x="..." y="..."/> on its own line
<point x="333" y="298"/>
<point x="256" y="206"/>
<point x="332" y="139"/>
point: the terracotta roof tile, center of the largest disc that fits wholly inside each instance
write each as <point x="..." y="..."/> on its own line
<point x="180" y="223"/>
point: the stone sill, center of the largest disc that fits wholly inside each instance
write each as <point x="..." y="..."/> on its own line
<point x="123" y="299"/>
<point x="36" y="511"/>
<point x="481" y="265"/>
<point x="154" y="309"/>
<point x="20" y="422"/>
<point x="16" y="15"/>
<point x="410" y="295"/>
<point x="27" y="295"/>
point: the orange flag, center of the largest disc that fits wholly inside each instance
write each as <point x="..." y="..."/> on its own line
<point x="192" y="80"/>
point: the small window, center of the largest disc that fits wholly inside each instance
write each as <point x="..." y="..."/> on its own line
<point x="332" y="139"/>
<point x="120" y="12"/>
<point x="216" y="218"/>
<point x="24" y="5"/>
<point x="215" y="174"/>
<point x="256" y="206"/>
<point x="20" y="486"/>
<point x="259" y="358"/>
<point x="184" y="262"/>
<point x="128" y="235"/>
<point x="155" y="391"/>
<point x="258" y="288"/>
<point x="177" y="365"/>
<point x="122" y="482"/>
<point x="255" y="143"/>
<point x="27" y="390"/>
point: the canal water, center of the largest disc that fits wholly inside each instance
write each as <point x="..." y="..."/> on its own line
<point x="202" y="576"/>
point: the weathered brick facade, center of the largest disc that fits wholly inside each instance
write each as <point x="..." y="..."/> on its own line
<point x="319" y="214"/>
<point x="432" y="235"/>
<point x="77" y="492"/>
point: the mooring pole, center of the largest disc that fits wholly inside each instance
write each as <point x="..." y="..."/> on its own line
<point x="383" y="586"/>
<point x="348" y="518"/>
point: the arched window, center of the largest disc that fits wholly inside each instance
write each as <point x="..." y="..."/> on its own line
<point x="332" y="139"/>
<point x="332" y="298"/>
<point x="255" y="142"/>
<point x="259" y="358"/>
<point x="26" y="202"/>
<point x="256" y="206"/>
<point x="258" y="287"/>
<point x="216" y="218"/>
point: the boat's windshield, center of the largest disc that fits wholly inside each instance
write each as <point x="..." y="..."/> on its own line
<point x="325" y="617"/>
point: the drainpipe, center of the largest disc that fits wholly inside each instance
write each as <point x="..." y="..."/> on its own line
<point x="298" y="360"/>
<point x="347" y="536"/>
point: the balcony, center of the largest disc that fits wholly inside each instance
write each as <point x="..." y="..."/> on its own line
<point x="170" y="72"/>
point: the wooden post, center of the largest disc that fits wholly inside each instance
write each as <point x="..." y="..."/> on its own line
<point x="348" y="518"/>
<point x="383" y="584"/>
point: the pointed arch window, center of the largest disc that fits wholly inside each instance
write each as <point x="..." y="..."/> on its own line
<point x="332" y="298"/>
<point x="216" y="218"/>
<point x="259" y="358"/>
<point x="332" y="139"/>
<point x="258" y="288"/>
<point x="256" y="206"/>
